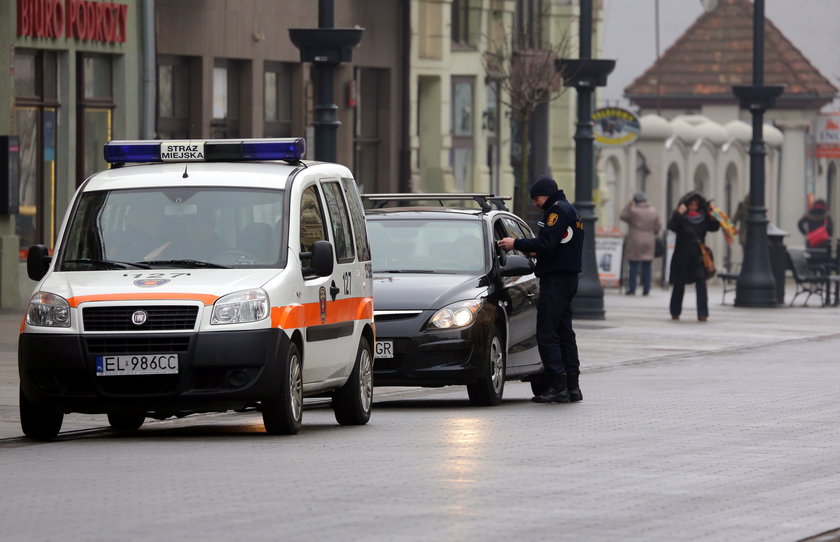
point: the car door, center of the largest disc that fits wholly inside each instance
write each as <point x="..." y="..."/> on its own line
<point x="522" y="292"/>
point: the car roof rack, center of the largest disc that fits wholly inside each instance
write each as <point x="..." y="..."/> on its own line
<point x="485" y="201"/>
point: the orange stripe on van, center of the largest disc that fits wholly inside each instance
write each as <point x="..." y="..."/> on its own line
<point x="204" y="298"/>
<point x="23" y="324"/>
<point x="309" y="314"/>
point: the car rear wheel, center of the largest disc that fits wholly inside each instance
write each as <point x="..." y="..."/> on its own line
<point x="352" y="402"/>
<point x="488" y="390"/>
<point x="282" y="414"/>
<point x="126" y="422"/>
<point x="39" y="422"/>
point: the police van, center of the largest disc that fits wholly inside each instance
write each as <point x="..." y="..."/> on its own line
<point x="199" y="276"/>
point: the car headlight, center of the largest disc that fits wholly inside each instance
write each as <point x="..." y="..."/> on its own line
<point x="48" y="310"/>
<point x="456" y="315"/>
<point x="239" y="307"/>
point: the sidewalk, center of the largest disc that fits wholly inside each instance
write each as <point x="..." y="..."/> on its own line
<point x="636" y="329"/>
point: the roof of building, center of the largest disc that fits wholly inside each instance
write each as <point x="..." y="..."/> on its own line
<point x="715" y="53"/>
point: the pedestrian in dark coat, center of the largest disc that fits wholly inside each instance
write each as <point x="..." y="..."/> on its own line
<point x="817" y="217"/>
<point x="690" y="221"/>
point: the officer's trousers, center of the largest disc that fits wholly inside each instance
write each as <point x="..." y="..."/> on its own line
<point x="555" y="336"/>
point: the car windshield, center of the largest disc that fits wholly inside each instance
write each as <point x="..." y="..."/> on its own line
<point x="427" y="246"/>
<point x="175" y="227"/>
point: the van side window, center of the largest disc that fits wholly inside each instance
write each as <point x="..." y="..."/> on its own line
<point x="311" y="221"/>
<point x="342" y="231"/>
<point x="357" y="217"/>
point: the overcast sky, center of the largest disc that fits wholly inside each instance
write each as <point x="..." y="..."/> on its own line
<point x="813" y="26"/>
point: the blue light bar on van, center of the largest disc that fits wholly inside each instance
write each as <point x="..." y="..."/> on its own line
<point x="205" y="150"/>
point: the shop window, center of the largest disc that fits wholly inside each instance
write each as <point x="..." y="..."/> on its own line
<point x="95" y="117"/>
<point x="466" y="22"/>
<point x="227" y="75"/>
<point x="277" y="100"/>
<point x="173" y="121"/>
<point x="463" y="143"/>
<point x="35" y="115"/>
<point x="369" y="104"/>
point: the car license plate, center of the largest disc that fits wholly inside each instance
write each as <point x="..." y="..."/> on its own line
<point x="137" y="364"/>
<point x="384" y="349"/>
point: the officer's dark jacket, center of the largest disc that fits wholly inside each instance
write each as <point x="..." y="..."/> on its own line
<point x="560" y="242"/>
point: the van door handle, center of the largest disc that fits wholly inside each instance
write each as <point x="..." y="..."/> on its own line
<point x="334" y="290"/>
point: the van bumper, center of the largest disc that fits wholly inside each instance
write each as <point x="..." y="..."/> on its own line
<point x="217" y="371"/>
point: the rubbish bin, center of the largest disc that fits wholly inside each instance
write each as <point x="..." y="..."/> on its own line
<point x="778" y="258"/>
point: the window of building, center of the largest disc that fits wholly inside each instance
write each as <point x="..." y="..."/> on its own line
<point x="173" y="120"/>
<point x="35" y="115"/>
<point x="95" y="117"/>
<point x="463" y="142"/>
<point x="277" y="101"/>
<point x="369" y="104"/>
<point x="466" y="22"/>
<point x="227" y="75"/>
<point x="528" y="21"/>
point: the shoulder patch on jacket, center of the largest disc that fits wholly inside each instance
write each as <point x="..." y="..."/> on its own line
<point x="552" y="219"/>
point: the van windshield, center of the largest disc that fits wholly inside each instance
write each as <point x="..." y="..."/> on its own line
<point x="175" y="227"/>
<point x="421" y="246"/>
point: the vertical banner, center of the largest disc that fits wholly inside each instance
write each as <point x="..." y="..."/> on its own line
<point x="609" y="251"/>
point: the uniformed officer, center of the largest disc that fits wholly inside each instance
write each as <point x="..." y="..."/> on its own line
<point x="558" y="248"/>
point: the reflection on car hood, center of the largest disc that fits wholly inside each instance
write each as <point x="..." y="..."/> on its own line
<point x="393" y="291"/>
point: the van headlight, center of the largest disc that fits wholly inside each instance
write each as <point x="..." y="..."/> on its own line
<point x="48" y="310"/>
<point x="239" y="307"/>
<point x="460" y="314"/>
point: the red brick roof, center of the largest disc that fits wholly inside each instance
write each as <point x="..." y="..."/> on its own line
<point x="715" y="53"/>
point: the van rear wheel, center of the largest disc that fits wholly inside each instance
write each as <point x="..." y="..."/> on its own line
<point x="352" y="402"/>
<point x="39" y="422"/>
<point x="283" y="413"/>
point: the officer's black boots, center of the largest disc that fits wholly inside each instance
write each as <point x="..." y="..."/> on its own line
<point x="557" y="391"/>
<point x="573" y="385"/>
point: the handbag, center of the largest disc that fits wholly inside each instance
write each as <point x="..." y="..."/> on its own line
<point x="818" y="236"/>
<point x="708" y="260"/>
<point x="658" y="247"/>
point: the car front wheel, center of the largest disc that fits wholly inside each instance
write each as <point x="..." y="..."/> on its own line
<point x="39" y="422"/>
<point x="352" y="402"/>
<point x="282" y="414"/>
<point x="488" y="390"/>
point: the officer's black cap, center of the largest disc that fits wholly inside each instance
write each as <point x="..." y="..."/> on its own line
<point x="543" y="186"/>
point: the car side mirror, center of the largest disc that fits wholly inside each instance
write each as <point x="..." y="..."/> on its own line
<point x="321" y="256"/>
<point x="38" y="261"/>
<point x="516" y="265"/>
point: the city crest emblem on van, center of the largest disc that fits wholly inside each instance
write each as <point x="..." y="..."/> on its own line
<point x="150" y="283"/>
<point x="322" y="298"/>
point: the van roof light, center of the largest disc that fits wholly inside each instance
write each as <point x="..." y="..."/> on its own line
<point x="290" y="149"/>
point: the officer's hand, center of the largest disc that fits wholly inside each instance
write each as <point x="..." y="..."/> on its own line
<point x="682" y="208"/>
<point x="506" y="243"/>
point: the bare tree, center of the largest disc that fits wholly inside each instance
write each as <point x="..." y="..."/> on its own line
<point x="523" y="63"/>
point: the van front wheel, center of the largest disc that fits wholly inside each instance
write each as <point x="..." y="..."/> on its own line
<point x="352" y="402"/>
<point x="39" y="422"/>
<point x="282" y="414"/>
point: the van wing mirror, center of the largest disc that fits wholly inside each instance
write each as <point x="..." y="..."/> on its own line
<point x="516" y="265"/>
<point x="37" y="261"/>
<point x="321" y="256"/>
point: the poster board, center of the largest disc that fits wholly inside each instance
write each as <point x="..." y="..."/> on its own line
<point x="609" y="252"/>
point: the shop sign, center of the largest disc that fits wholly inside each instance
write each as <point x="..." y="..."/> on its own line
<point x="828" y="135"/>
<point x="76" y="19"/>
<point x="615" y="127"/>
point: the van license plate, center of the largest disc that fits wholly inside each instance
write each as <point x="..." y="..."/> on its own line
<point x="137" y="364"/>
<point x="384" y="349"/>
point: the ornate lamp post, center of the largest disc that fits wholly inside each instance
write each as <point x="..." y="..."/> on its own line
<point x="584" y="74"/>
<point x="756" y="286"/>
<point x="326" y="47"/>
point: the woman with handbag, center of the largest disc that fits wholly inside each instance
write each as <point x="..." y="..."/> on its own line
<point x="690" y="221"/>
<point x="816" y="226"/>
<point x="643" y="226"/>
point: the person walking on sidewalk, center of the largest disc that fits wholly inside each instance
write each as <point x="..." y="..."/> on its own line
<point x="690" y="221"/>
<point x="559" y="249"/>
<point x="643" y="227"/>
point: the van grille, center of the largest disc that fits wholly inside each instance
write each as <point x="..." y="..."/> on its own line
<point x="159" y="318"/>
<point x="137" y="345"/>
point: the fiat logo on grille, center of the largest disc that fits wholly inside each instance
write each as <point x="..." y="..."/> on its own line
<point x="138" y="318"/>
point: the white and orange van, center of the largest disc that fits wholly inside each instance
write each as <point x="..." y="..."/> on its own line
<point x="205" y="276"/>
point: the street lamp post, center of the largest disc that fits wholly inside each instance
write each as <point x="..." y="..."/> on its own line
<point x="584" y="74"/>
<point x="756" y="286"/>
<point x="326" y="47"/>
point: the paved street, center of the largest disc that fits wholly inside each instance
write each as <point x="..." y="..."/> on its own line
<point x="724" y="430"/>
